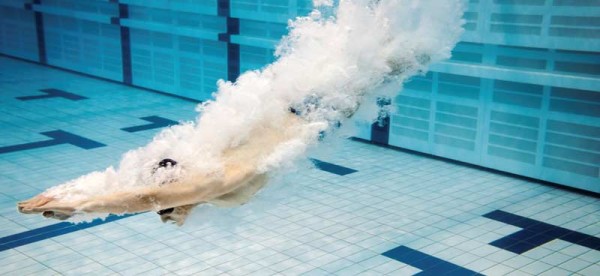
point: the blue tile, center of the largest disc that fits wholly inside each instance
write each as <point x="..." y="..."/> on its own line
<point x="539" y="239"/>
<point x="332" y="168"/>
<point x="53" y="93"/>
<point x="428" y="264"/>
<point x="536" y="233"/>
<point x="380" y="130"/>
<point x="512" y="219"/>
<point x="75" y="140"/>
<point x="233" y="49"/>
<point x="125" y="45"/>
<point x="155" y="122"/>
<point x="521" y="241"/>
<point x="549" y="230"/>
<point x="50" y="231"/>
<point x="582" y="239"/>
<point x="41" y="39"/>
<point x="59" y="137"/>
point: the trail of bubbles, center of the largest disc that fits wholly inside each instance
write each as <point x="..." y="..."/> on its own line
<point x="332" y="65"/>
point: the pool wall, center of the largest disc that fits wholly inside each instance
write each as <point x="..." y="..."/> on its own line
<point x="521" y="93"/>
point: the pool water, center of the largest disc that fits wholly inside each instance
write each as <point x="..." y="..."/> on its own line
<point x="362" y="209"/>
<point x="452" y="185"/>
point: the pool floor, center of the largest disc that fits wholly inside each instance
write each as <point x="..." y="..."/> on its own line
<point x="361" y="210"/>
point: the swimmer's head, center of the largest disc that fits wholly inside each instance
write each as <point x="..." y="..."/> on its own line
<point x="166" y="163"/>
<point x="165" y="171"/>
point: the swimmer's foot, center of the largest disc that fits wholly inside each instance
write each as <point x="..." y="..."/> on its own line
<point x="26" y="206"/>
<point x="177" y="214"/>
<point x="49" y="207"/>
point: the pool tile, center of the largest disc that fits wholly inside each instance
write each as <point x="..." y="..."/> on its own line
<point x="311" y="222"/>
<point x="536" y="268"/>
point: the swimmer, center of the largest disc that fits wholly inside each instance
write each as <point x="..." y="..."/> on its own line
<point x="326" y="68"/>
<point x="238" y="181"/>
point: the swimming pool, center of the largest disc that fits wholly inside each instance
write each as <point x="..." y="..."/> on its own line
<point x="519" y="95"/>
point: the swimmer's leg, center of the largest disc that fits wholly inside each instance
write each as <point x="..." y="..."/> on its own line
<point x="243" y="194"/>
<point x="191" y="191"/>
<point x="60" y="213"/>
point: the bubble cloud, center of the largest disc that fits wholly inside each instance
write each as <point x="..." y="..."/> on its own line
<point x="332" y="65"/>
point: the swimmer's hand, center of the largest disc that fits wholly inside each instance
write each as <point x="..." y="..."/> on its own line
<point x="49" y="207"/>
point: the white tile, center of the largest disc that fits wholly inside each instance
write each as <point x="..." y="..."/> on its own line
<point x="316" y="272"/>
<point x="354" y="269"/>
<point x="233" y="264"/>
<point x="592" y="256"/>
<point x="556" y="271"/>
<point x="538" y="253"/>
<point x="500" y="256"/>
<point x="556" y="258"/>
<point x="36" y="269"/>
<point x="536" y="267"/>
<point x="591" y="270"/>
<point x="246" y="269"/>
<point x="557" y="245"/>
<point x="479" y="264"/>
<point x="574" y="250"/>
<point x="575" y="265"/>
<point x="300" y="269"/>
<point x="271" y="260"/>
<point x="389" y="266"/>
<point x="498" y="269"/>
<point x="336" y="265"/>
<point x="407" y="270"/>
<point x="373" y="262"/>
<point x="518" y="261"/>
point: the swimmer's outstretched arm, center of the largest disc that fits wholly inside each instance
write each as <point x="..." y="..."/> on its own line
<point x="175" y="194"/>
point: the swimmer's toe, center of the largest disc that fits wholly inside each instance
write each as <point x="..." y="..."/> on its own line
<point x="29" y="206"/>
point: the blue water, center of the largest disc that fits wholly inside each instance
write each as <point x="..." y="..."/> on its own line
<point x="520" y="95"/>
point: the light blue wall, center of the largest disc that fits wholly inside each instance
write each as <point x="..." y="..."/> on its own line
<point x="175" y="47"/>
<point x="521" y="93"/>
<point x="17" y="31"/>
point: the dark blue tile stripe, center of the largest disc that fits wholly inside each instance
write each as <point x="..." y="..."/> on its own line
<point x="536" y="233"/>
<point x="380" y="130"/>
<point x="29" y="98"/>
<point x="59" y="137"/>
<point x="521" y="241"/>
<point x="332" y="168"/>
<point x="428" y="264"/>
<point x="50" y="231"/>
<point x="39" y="30"/>
<point x="233" y="50"/>
<point x="155" y="122"/>
<point x="33" y="145"/>
<point x="125" y="45"/>
<point x="53" y="93"/>
<point x="75" y="140"/>
<point x="512" y="219"/>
